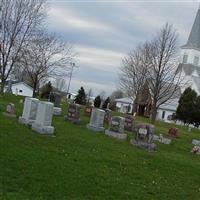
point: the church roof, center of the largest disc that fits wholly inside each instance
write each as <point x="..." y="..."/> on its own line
<point x="194" y="37"/>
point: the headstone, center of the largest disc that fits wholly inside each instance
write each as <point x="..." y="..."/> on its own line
<point x="196" y="148"/>
<point x="196" y="142"/>
<point x="73" y="114"/>
<point x="29" y="111"/>
<point x="88" y="110"/>
<point x="144" y="137"/>
<point x="173" y="132"/>
<point x="96" y="120"/>
<point x="108" y="115"/>
<point x="10" y="110"/>
<point x="9" y="88"/>
<point x="161" y="139"/>
<point x="128" y="124"/>
<point x="55" y="98"/>
<point x="44" y="117"/>
<point x="116" y="128"/>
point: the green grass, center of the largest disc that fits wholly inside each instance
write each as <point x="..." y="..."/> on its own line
<point x="80" y="165"/>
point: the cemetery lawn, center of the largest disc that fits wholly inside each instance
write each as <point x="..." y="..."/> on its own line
<point x="79" y="164"/>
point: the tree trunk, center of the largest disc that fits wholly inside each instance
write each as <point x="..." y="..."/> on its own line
<point x="2" y="86"/>
<point x="153" y="114"/>
<point x="34" y="89"/>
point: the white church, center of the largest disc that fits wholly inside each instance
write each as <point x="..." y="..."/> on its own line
<point x="190" y="69"/>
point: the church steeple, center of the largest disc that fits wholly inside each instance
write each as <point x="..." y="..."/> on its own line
<point x="194" y="37"/>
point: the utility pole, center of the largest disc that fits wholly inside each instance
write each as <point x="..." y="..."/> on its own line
<point x="70" y="77"/>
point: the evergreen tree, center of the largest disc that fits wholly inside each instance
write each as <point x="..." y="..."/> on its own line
<point x="46" y="90"/>
<point x="97" y="101"/>
<point x="197" y="113"/>
<point x="105" y="104"/>
<point x="81" y="96"/>
<point x="187" y="106"/>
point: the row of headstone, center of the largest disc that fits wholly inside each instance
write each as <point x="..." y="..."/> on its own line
<point x="38" y="114"/>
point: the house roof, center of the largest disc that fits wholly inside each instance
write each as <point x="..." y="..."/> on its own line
<point x="170" y="105"/>
<point x="194" y="37"/>
<point x="16" y="83"/>
<point x="127" y="100"/>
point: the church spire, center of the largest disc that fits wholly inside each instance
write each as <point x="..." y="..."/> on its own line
<point x="194" y="37"/>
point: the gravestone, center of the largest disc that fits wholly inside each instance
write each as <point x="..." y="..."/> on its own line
<point x="144" y="137"/>
<point x="10" y="110"/>
<point x="96" y="120"/>
<point x="9" y="88"/>
<point x="128" y="124"/>
<point x="196" y="148"/>
<point x="116" y="128"/>
<point x="88" y="110"/>
<point x="73" y="114"/>
<point x="173" y="132"/>
<point x="161" y="139"/>
<point x="29" y="111"/>
<point x="43" y="119"/>
<point x="108" y="115"/>
<point x="55" y="98"/>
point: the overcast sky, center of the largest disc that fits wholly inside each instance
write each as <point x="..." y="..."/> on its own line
<point x="102" y="32"/>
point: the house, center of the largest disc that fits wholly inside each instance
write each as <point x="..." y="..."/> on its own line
<point x="20" y="88"/>
<point x="124" y="105"/>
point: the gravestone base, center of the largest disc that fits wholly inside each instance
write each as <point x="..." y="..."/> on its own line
<point x="25" y="121"/>
<point x="9" y="114"/>
<point x="95" y="128"/>
<point x="74" y="121"/>
<point x="145" y="145"/>
<point x="120" y="136"/>
<point x="49" y="130"/>
<point x="57" y="111"/>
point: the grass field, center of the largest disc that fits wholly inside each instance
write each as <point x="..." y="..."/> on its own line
<point x="80" y="165"/>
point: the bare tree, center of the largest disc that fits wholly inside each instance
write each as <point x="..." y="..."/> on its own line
<point x="134" y="69"/>
<point x="60" y="84"/>
<point x="19" y="19"/>
<point x="154" y="65"/>
<point x="89" y="95"/>
<point x="163" y="77"/>
<point x="45" y="56"/>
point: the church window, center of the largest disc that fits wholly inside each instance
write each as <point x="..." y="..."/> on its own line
<point x="185" y="58"/>
<point x="196" y="60"/>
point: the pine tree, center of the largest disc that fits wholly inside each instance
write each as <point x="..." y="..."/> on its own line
<point x="97" y="101"/>
<point x="186" y="108"/>
<point x="81" y="96"/>
<point x="105" y="104"/>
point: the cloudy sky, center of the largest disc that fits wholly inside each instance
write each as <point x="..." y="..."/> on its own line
<point x="102" y="32"/>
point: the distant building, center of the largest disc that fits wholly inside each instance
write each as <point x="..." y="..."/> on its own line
<point x="124" y="105"/>
<point x="20" y="88"/>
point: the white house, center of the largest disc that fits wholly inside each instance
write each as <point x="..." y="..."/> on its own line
<point x="21" y="89"/>
<point x="124" y="105"/>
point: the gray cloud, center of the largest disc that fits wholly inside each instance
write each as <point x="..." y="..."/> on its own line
<point x="103" y="32"/>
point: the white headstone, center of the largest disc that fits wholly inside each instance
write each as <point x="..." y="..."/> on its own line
<point x="29" y="111"/>
<point x="43" y="120"/>
<point x="96" y="120"/>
